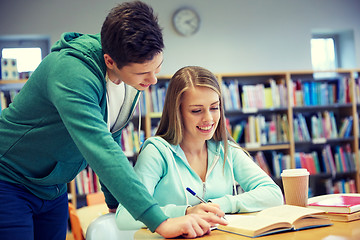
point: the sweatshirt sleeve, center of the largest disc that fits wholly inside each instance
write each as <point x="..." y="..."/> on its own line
<point x="77" y="99"/>
<point x="150" y="167"/>
<point x="260" y="191"/>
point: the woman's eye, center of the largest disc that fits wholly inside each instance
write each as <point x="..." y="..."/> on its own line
<point x="195" y="111"/>
<point x="215" y="108"/>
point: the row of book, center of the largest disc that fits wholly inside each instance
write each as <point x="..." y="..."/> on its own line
<point x="312" y="93"/>
<point x="157" y="95"/>
<point x="339" y="159"/>
<point x="340" y="186"/>
<point x="269" y="95"/>
<point x="6" y="97"/>
<point x="131" y="140"/>
<point x="257" y="130"/>
<point x="257" y="96"/>
<point x="279" y="161"/>
<point x="323" y="126"/>
<point x="87" y="182"/>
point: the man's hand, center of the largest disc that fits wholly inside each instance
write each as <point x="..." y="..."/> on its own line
<point x="112" y="210"/>
<point x="189" y="226"/>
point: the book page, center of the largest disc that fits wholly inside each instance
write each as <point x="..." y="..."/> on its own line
<point x="288" y="212"/>
<point x="253" y="225"/>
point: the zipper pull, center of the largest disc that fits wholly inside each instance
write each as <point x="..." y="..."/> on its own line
<point x="204" y="190"/>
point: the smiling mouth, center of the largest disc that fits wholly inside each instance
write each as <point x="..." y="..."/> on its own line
<point x="144" y="85"/>
<point x="205" y="128"/>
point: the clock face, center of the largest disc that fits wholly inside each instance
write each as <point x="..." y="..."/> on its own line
<point x="186" y="21"/>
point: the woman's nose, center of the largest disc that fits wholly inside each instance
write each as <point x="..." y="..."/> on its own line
<point x="207" y="116"/>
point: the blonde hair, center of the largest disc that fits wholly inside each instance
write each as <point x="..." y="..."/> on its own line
<point x="171" y="124"/>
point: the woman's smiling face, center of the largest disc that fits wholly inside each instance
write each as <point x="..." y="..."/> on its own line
<point x="200" y="110"/>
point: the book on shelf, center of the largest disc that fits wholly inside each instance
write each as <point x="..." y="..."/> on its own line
<point x="3" y="102"/>
<point x="234" y="94"/>
<point x="338" y="203"/>
<point x="301" y="131"/>
<point x="260" y="160"/>
<point x="280" y="162"/>
<point x="275" y="220"/>
<point x="328" y="160"/>
<point x="238" y="131"/>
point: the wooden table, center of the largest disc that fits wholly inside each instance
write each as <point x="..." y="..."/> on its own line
<point x="338" y="231"/>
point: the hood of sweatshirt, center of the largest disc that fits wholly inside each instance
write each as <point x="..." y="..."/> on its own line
<point x="86" y="47"/>
<point x="215" y="149"/>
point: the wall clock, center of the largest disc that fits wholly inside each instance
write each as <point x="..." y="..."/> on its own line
<point x="186" y="21"/>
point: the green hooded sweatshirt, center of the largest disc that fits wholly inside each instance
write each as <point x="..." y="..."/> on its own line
<point x="57" y="125"/>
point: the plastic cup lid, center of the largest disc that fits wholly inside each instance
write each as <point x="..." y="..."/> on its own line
<point x="295" y="172"/>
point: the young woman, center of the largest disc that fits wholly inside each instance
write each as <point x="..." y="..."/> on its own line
<point x="193" y="149"/>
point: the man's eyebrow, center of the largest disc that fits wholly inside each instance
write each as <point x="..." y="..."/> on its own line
<point x="160" y="63"/>
<point x="156" y="68"/>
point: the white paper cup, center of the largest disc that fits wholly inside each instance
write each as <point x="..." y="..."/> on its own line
<point x="296" y="186"/>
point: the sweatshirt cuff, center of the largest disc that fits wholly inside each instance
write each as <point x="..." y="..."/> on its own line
<point x="176" y="211"/>
<point x="153" y="217"/>
<point x="224" y="203"/>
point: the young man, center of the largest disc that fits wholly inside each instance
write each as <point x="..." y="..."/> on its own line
<point x="69" y="114"/>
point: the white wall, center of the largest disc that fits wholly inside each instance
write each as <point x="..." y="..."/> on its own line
<point x="235" y="35"/>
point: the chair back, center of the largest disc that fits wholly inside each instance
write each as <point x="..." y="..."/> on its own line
<point x="76" y="229"/>
<point x="104" y="227"/>
<point x="95" y="198"/>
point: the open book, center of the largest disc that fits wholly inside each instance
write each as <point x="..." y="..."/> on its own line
<point x="274" y="220"/>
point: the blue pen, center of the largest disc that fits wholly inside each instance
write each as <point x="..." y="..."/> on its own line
<point x="194" y="194"/>
<point x="201" y="200"/>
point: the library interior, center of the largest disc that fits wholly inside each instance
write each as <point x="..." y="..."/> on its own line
<point x="289" y="72"/>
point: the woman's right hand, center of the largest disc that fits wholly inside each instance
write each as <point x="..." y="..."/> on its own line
<point x="205" y="208"/>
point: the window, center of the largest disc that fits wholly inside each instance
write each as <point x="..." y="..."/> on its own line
<point x="323" y="54"/>
<point x="27" y="58"/>
<point x="332" y="49"/>
<point x="27" y="50"/>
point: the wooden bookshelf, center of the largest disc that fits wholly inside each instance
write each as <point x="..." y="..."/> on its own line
<point x="17" y="81"/>
<point x="291" y="147"/>
<point x="287" y="148"/>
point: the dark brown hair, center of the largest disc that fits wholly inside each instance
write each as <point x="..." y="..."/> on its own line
<point x="131" y="34"/>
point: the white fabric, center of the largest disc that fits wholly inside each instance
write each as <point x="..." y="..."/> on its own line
<point x="104" y="227"/>
<point x="116" y="96"/>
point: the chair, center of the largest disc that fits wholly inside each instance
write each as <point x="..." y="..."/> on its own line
<point x="95" y="198"/>
<point x="104" y="227"/>
<point x="76" y="229"/>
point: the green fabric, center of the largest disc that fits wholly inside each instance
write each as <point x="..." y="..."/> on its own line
<point x="57" y="125"/>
